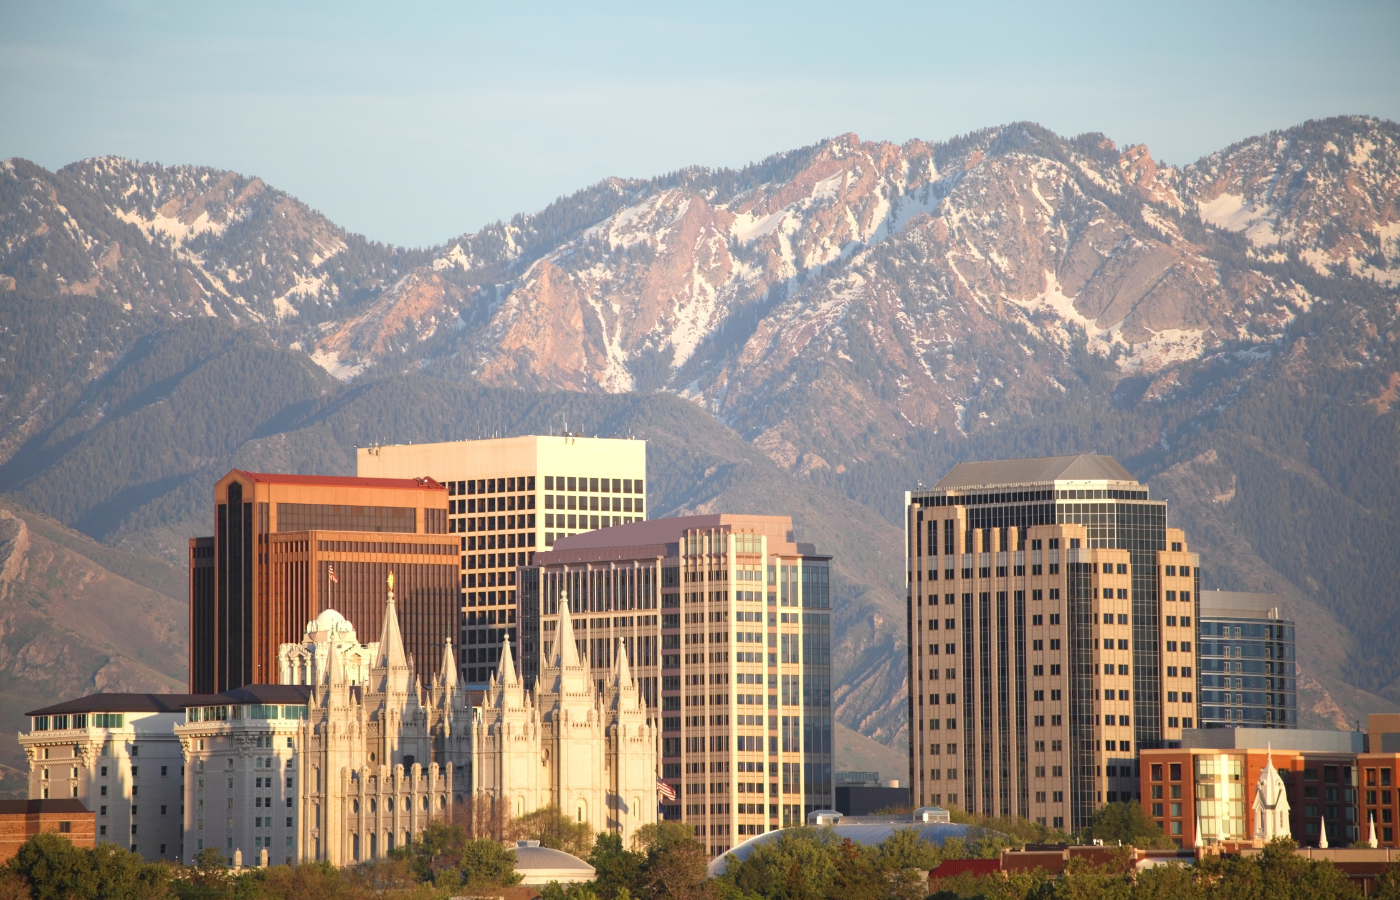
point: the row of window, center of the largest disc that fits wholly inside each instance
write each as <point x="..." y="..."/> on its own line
<point x="491" y="504"/>
<point x="495" y="523"/>
<point x="491" y="485"/>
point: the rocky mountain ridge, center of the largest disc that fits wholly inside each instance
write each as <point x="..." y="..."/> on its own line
<point x="839" y="322"/>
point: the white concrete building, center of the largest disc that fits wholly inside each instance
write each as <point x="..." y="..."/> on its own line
<point x="118" y="754"/>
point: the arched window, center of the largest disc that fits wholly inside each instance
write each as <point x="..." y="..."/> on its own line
<point x="425" y="804"/>
<point x="390" y="803"/>
<point x="373" y="845"/>
<point x="355" y="847"/>
<point x="442" y="802"/>
<point x="355" y="808"/>
<point x="374" y="806"/>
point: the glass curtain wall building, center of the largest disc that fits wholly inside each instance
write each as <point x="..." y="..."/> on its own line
<point x="727" y="622"/>
<point x="1248" y="662"/>
<point x="1052" y="627"/>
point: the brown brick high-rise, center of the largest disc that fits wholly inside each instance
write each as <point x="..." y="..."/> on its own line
<point x="267" y="570"/>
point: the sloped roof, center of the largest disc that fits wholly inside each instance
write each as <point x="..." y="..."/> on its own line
<point x="123" y="703"/>
<point x="1045" y="469"/>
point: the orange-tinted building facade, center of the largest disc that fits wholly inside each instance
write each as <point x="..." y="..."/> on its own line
<point x="287" y="547"/>
<point x="22" y="819"/>
<point x="1380" y="780"/>
<point x="1213" y="789"/>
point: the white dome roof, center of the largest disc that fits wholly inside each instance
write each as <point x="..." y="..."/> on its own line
<point x="330" y="621"/>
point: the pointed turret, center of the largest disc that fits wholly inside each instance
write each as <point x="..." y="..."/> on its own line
<point x="396" y="673"/>
<point x="335" y="667"/>
<point x="505" y="672"/>
<point x="448" y="675"/>
<point x="567" y="655"/>
<point x="569" y="675"/>
<point x="624" y="672"/>
<point x="391" y="652"/>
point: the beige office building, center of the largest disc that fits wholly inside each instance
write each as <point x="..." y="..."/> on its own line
<point x="509" y="498"/>
<point x="726" y="621"/>
<point x="1053" y="622"/>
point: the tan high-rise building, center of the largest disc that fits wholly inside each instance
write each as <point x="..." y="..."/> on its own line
<point x="1052" y="633"/>
<point x="508" y="498"/>
<point x="730" y="618"/>
<point x="287" y="547"/>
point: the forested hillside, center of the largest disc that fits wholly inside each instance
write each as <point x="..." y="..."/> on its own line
<point x="812" y="334"/>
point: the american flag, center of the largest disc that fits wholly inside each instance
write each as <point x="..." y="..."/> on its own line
<point x="334" y="580"/>
<point x="665" y="790"/>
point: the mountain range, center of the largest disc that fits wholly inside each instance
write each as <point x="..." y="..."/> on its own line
<point x="812" y="334"/>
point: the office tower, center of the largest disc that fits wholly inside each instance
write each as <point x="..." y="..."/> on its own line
<point x="287" y="547"/>
<point x="118" y="755"/>
<point x="1247" y="662"/>
<point x="726" y="620"/>
<point x="508" y="498"/>
<point x="1051" y="632"/>
<point x="1208" y="782"/>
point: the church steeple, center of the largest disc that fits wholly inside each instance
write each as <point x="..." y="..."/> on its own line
<point x="567" y="653"/>
<point x="393" y="661"/>
<point x="505" y="672"/>
<point x="448" y="675"/>
<point x="570" y="677"/>
<point x="624" y="672"/>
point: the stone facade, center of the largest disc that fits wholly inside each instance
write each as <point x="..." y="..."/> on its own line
<point x="364" y="762"/>
<point x="592" y="754"/>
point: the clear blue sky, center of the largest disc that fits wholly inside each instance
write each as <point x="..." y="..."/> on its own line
<point x="415" y="122"/>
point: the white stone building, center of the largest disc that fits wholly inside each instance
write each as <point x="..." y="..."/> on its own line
<point x="344" y="767"/>
<point x="590" y="753"/>
<point x="117" y="754"/>
<point x="353" y="758"/>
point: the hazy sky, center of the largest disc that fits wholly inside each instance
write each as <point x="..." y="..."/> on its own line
<point x="415" y="122"/>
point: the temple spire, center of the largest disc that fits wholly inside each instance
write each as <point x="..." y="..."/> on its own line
<point x="568" y="651"/>
<point x="449" y="666"/>
<point x="624" y="672"/>
<point x="505" y="672"/>
<point x="391" y="652"/>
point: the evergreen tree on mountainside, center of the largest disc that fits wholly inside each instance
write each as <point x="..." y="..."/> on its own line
<point x="118" y="420"/>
